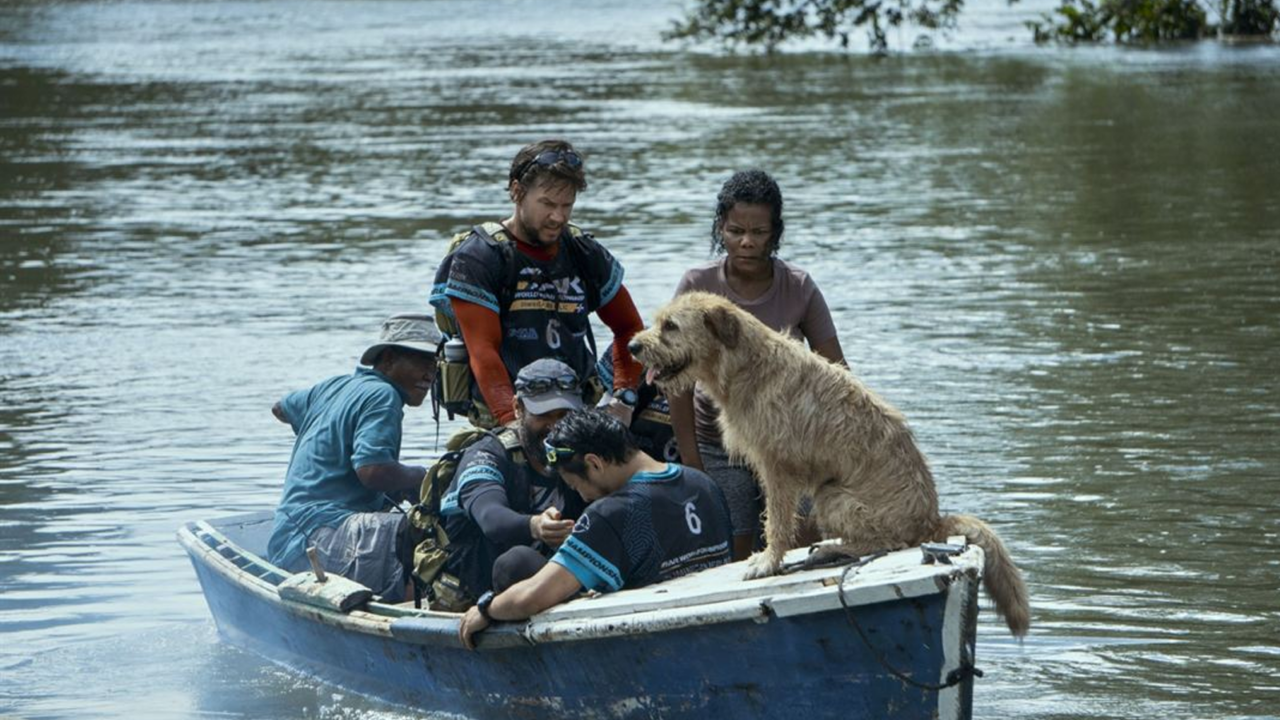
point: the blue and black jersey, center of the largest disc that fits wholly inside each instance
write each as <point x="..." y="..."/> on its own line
<point x="659" y="526"/>
<point x="544" y="307"/>
<point x="485" y="510"/>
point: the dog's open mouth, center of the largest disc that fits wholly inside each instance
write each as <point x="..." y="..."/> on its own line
<point x="658" y="374"/>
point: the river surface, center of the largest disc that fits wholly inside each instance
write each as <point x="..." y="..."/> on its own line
<point x="1062" y="265"/>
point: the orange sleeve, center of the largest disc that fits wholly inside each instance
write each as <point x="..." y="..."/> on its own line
<point x="482" y="332"/>
<point x="623" y="319"/>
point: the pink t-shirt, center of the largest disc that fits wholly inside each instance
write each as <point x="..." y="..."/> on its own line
<point x="793" y="305"/>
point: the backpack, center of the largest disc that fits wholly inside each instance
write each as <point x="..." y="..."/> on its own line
<point x="497" y="236"/>
<point x="426" y="527"/>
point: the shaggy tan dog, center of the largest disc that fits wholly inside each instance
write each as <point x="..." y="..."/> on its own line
<point x="809" y="428"/>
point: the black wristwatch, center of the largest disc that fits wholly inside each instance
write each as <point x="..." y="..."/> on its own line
<point x="627" y="397"/>
<point x="483" y="605"/>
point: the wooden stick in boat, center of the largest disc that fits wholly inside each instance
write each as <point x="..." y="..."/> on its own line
<point x="314" y="557"/>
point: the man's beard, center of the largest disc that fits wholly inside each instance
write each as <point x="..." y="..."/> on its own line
<point x="532" y="235"/>
<point x="532" y="441"/>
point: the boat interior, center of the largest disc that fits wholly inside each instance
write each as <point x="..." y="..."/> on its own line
<point x="242" y="540"/>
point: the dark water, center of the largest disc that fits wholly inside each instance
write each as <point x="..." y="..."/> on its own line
<point x="1062" y="265"/>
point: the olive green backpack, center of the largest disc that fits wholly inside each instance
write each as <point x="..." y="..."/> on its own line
<point x="430" y="542"/>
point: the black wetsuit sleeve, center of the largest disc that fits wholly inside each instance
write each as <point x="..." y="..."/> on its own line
<point x="487" y="505"/>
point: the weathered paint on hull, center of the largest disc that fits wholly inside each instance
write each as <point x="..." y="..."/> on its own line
<point x="812" y="666"/>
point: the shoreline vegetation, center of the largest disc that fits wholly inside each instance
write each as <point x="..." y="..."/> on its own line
<point x="766" y="24"/>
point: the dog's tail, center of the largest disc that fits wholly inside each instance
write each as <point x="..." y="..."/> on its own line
<point x="1000" y="576"/>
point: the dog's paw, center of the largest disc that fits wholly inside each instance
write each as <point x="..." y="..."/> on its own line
<point x="761" y="565"/>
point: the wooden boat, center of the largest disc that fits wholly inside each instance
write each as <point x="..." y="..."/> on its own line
<point x="893" y="637"/>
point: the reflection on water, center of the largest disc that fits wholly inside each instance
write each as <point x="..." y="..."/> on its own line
<point x="1062" y="265"/>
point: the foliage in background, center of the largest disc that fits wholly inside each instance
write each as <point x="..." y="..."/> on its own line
<point x="768" y="22"/>
<point x="1123" y="21"/>
<point x="1251" y="17"/>
<point x="1154" y="20"/>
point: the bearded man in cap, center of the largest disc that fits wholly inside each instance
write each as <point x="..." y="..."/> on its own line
<point x="346" y="467"/>
<point x="504" y="498"/>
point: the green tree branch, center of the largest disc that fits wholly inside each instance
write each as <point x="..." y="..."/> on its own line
<point x="769" y="23"/>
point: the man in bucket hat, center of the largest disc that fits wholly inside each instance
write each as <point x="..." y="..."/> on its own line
<point x="346" y="461"/>
<point x="503" y="496"/>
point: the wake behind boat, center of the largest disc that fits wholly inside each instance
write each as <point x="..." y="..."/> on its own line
<point x="893" y="636"/>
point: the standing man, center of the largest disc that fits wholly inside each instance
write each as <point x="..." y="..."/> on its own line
<point x="346" y="461"/>
<point x="648" y="521"/>
<point x="503" y="495"/>
<point x="524" y="289"/>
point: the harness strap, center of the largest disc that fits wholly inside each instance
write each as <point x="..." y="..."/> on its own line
<point x="508" y="260"/>
<point x="497" y="235"/>
<point x="510" y="440"/>
<point x="593" y="292"/>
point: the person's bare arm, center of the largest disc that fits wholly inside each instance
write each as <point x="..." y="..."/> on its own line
<point x="831" y="350"/>
<point x="391" y="477"/>
<point x="682" y="425"/>
<point x="552" y="585"/>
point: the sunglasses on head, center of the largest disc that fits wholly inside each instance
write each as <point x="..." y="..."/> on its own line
<point x="556" y="455"/>
<point x="538" y="386"/>
<point x="547" y="158"/>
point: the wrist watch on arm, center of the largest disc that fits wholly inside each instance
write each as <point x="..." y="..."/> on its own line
<point x="482" y="605"/>
<point x="626" y="396"/>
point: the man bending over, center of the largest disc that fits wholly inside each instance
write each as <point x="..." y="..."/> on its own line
<point x="648" y="521"/>
<point x="503" y="496"/>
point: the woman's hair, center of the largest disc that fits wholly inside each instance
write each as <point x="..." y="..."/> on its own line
<point x="591" y="431"/>
<point x="750" y="187"/>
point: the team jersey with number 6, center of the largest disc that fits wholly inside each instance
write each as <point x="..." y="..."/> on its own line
<point x="547" y="313"/>
<point x="659" y="526"/>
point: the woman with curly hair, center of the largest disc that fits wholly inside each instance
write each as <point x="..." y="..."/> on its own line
<point x="746" y="232"/>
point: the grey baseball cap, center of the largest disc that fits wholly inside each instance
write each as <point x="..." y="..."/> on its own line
<point x="546" y="385"/>
<point x="406" y="330"/>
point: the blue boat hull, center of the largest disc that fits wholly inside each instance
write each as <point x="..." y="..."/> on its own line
<point x="812" y="665"/>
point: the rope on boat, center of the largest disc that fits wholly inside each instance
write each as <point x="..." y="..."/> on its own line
<point x="955" y="677"/>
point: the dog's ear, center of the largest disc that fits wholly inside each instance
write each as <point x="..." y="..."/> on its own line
<point x="724" y="325"/>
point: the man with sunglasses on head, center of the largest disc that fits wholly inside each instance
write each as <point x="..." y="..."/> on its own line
<point x="503" y="495"/>
<point x="524" y="289"/>
<point x="648" y="521"/>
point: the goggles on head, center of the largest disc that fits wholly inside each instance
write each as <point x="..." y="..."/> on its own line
<point x="537" y="386"/>
<point x="557" y="455"/>
<point x="547" y="158"/>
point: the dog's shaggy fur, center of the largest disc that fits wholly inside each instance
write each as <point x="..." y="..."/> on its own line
<point x="809" y="428"/>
